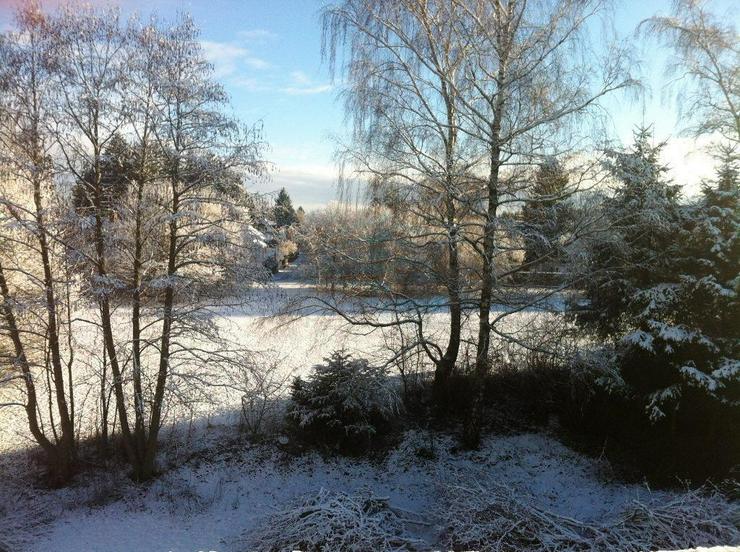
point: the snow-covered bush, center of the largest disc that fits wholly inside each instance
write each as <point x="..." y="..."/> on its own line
<point x="334" y="521"/>
<point x="288" y="251"/>
<point x="344" y="402"/>
<point x="500" y="518"/>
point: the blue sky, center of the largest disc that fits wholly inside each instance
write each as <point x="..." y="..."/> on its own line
<point x="267" y="54"/>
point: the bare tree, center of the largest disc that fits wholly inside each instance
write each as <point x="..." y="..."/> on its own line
<point x="404" y="68"/>
<point x="34" y="290"/>
<point x="90" y="58"/>
<point x="456" y="103"/>
<point x="129" y="116"/>
<point x="706" y="55"/>
<point x="533" y="82"/>
<point x="203" y="153"/>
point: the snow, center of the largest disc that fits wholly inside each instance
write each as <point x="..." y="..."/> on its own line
<point x="215" y="503"/>
<point x="699" y="378"/>
<point x="229" y="487"/>
<point x="640" y="339"/>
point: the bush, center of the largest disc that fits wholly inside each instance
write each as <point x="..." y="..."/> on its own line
<point x="288" y="250"/>
<point x="260" y="381"/>
<point x="271" y="264"/>
<point x="598" y="412"/>
<point x="343" y="403"/>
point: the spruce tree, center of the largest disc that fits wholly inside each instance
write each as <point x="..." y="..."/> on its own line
<point x="544" y="219"/>
<point x="117" y="171"/>
<point x="664" y="286"/>
<point x="284" y="213"/>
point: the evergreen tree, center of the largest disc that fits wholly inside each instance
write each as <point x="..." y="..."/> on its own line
<point x="117" y="171"/>
<point x="638" y="249"/>
<point x="284" y="213"/>
<point x="665" y="287"/>
<point x="545" y="217"/>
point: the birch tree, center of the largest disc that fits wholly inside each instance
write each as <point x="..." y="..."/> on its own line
<point x="34" y="284"/>
<point x="91" y="61"/>
<point x="205" y="154"/>
<point x="704" y="66"/>
<point x="403" y="68"/>
<point x="532" y="72"/>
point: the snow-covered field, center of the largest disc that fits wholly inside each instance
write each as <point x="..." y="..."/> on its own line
<point x="228" y="492"/>
<point x="293" y="344"/>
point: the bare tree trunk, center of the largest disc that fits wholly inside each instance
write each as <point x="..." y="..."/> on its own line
<point x="105" y="310"/>
<point x="148" y="464"/>
<point x="21" y="360"/>
<point x="472" y="430"/>
<point x="66" y="446"/>
<point x="139" y="429"/>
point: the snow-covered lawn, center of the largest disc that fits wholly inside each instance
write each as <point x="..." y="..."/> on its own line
<point x="222" y="500"/>
<point x="293" y="344"/>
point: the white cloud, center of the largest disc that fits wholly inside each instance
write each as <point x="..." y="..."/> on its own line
<point x="689" y="162"/>
<point x="227" y="58"/>
<point x="307" y="90"/>
<point x="250" y="84"/>
<point x="299" y="77"/>
<point x="303" y="85"/>
<point x="309" y="186"/>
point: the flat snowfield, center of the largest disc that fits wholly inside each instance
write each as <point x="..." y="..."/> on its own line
<point x="257" y="323"/>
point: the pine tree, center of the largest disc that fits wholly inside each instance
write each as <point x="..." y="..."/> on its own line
<point x="665" y="287"/>
<point x="284" y="213"/>
<point x="117" y="171"/>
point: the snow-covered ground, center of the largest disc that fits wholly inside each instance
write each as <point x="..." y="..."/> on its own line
<point x="216" y="502"/>
<point x="292" y="343"/>
<point x="228" y="491"/>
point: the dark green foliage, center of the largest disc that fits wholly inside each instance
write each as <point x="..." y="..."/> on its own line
<point x="117" y="172"/>
<point x="284" y="213"/>
<point x="545" y="219"/>
<point x="639" y="248"/>
<point x="664" y="286"/>
<point x="343" y="403"/>
<point x="577" y="401"/>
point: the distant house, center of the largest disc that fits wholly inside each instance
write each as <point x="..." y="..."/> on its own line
<point x="266" y="236"/>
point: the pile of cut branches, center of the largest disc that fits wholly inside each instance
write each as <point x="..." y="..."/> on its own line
<point x="498" y="518"/>
<point x="336" y="521"/>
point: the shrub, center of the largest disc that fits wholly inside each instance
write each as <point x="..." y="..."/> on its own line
<point x="261" y="382"/>
<point x="600" y="411"/>
<point x="344" y="402"/>
<point x="288" y="250"/>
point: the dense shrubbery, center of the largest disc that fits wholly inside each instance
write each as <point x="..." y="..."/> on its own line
<point x="586" y="402"/>
<point x="343" y="403"/>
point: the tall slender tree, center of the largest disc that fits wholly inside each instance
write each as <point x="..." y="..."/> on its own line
<point x="706" y="55"/>
<point x="404" y="63"/>
<point x="33" y="253"/>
